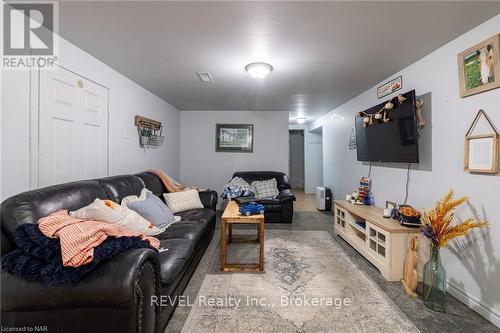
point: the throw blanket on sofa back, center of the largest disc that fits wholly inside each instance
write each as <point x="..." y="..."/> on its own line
<point x="237" y="187"/>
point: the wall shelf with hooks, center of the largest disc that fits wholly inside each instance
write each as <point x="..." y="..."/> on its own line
<point x="150" y="131"/>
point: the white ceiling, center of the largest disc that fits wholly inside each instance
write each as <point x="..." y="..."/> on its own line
<point x="323" y="53"/>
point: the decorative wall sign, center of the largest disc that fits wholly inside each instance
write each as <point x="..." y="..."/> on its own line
<point x="234" y="138"/>
<point x="352" y="140"/>
<point x="481" y="151"/>
<point x="390" y="87"/>
<point x="479" y="67"/>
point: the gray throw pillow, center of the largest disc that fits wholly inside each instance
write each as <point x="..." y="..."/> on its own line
<point x="153" y="210"/>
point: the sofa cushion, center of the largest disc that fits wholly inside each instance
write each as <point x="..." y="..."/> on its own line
<point x="285" y="196"/>
<point x="174" y="260"/>
<point x="152" y="183"/>
<point x="193" y="230"/>
<point x="32" y="205"/>
<point x="272" y="207"/>
<point x="119" y="187"/>
<point x="181" y="239"/>
<point x="202" y="214"/>
<point x="209" y="199"/>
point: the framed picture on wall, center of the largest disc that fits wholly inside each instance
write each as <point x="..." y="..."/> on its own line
<point x="481" y="153"/>
<point x="234" y="138"/>
<point x="479" y="67"/>
<point x="481" y="150"/>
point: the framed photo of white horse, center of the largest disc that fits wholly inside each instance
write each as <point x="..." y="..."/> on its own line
<point x="479" y="67"/>
<point x="234" y="138"/>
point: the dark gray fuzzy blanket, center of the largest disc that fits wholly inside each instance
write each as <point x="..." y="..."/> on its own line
<point x="38" y="257"/>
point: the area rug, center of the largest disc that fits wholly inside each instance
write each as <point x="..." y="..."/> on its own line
<point x="309" y="285"/>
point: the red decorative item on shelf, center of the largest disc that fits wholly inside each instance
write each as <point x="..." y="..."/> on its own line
<point x="365" y="186"/>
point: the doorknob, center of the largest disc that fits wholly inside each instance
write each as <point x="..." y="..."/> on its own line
<point x="79" y="83"/>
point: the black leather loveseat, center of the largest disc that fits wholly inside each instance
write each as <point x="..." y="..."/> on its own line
<point x="119" y="295"/>
<point x="279" y="209"/>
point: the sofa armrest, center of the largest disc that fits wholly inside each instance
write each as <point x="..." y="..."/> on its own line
<point x="285" y="196"/>
<point x="126" y="282"/>
<point x="209" y="199"/>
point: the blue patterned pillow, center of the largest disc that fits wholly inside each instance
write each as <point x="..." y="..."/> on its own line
<point x="153" y="210"/>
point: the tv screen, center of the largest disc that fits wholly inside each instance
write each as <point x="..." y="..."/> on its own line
<point x="392" y="141"/>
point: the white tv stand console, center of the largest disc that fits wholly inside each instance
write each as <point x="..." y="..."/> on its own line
<point x="382" y="241"/>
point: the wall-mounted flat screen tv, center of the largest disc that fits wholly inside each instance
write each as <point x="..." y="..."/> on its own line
<point x="392" y="141"/>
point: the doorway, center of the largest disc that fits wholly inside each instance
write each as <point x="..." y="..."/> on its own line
<point x="73" y="128"/>
<point x="296" y="158"/>
<point x="314" y="160"/>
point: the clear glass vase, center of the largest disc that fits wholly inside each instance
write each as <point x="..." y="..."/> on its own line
<point x="434" y="282"/>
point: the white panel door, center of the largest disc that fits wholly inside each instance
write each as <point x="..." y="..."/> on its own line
<point x="73" y="128"/>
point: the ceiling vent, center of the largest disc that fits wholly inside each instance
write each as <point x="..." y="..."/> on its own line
<point x="205" y="76"/>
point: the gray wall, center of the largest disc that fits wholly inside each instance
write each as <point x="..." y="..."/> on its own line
<point x="474" y="271"/>
<point x="296" y="157"/>
<point x="202" y="166"/>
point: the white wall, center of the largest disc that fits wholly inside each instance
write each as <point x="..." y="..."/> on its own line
<point x="202" y="166"/>
<point x="314" y="160"/>
<point x="126" y="99"/>
<point x="474" y="274"/>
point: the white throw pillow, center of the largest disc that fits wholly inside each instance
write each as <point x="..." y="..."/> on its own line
<point x="132" y="198"/>
<point x="184" y="200"/>
<point x="111" y="212"/>
<point x="266" y="188"/>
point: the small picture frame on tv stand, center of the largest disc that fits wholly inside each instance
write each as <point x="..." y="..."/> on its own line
<point x="390" y="205"/>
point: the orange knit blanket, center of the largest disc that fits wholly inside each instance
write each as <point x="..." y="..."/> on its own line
<point x="170" y="184"/>
<point x="79" y="237"/>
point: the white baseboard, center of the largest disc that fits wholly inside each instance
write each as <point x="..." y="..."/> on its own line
<point x="474" y="304"/>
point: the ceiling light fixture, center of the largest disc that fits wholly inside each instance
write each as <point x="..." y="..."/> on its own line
<point x="258" y="70"/>
<point x="301" y="120"/>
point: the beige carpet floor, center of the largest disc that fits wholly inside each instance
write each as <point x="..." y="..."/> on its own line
<point x="306" y="202"/>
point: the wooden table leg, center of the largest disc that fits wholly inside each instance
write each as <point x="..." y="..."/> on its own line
<point x="261" y="246"/>
<point x="223" y="245"/>
<point x="225" y="239"/>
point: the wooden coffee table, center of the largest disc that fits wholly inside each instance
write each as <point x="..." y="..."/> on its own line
<point x="232" y="216"/>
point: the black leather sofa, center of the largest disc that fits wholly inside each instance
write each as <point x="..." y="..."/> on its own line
<point x="119" y="295"/>
<point x="279" y="209"/>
